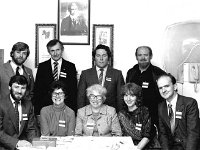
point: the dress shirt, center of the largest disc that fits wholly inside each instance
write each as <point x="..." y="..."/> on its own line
<point x="173" y="103"/>
<point x="104" y="73"/>
<point x="59" y="66"/>
<point x="19" y="109"/>
<point x="14" y="67"/>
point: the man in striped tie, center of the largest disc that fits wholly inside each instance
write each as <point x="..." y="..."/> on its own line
<point x="16" y="116"/>
<point x="101" y="73"/>
<point x="178" y="117"/>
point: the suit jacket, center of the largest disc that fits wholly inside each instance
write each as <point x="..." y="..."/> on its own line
<point x="186" y="124"/>
<point x="8" y="131"/>
<point x="44" y="78"/>
<point x="113" y="83"/>
<point x="107" y="122"/>
<point x="6" y="72"/>
<point x="70" y="28"/>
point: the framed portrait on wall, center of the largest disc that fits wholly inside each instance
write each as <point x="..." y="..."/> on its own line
<point x="74" y="22"/>
<point x="43" y="34"/>
<point x="103" y="34"/>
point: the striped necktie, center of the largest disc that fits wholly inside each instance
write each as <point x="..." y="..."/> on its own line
<point x="101" y="76"/>
<point x="55" y="71"/>
<point x="171" y="117"/>
<point x="17" y="115"/>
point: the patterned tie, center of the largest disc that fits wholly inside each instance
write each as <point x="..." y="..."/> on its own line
<point x="101" y="76"/>
<point x="17" y="115"/>
<point x="171" y="117"/>
<point x="55" y="71"/>
<point x="17" y="71"/>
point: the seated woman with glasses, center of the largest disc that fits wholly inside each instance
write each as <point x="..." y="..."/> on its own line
<point x="134" y="118"/>
<point x="57" y="119"/>
<point x="97" y="119"/>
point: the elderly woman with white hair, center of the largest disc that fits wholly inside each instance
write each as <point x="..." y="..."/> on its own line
<point x="97" y="119"/>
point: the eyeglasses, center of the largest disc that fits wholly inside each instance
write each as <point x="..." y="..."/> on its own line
<point x="131" y="95"/>
<point x="95" y="97"/>
<point x="58" y="94"/>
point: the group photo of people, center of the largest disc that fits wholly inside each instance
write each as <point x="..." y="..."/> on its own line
<point x="145" y="105"/>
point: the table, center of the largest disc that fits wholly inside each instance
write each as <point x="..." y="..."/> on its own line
<point x="90" y="143"/>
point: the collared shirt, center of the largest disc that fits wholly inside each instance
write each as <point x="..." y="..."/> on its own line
<point x="19" y="109"/>
<point x="14" y="67"/>
<point x="59" y="65"/>
<point x="173" y="103"/>
<point x="104" y="73"/>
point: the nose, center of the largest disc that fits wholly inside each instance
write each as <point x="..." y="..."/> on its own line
<point x="163" y="89"/>
<point x="101" y="57"/>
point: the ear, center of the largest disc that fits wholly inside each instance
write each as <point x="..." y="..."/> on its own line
<point x="9" y="88"/>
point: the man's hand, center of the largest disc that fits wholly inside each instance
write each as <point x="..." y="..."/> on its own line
<point x="23" y="143"/>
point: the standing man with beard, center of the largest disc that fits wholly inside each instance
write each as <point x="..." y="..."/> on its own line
<point x="19" y="54"/>
<point x="16" y="116"/>
<point x="145" y="74"/>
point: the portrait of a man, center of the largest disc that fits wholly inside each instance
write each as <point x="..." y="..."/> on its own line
<point x="74" y="23"/>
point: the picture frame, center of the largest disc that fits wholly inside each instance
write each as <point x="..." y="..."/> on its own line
<point x="43" y="34"/>
<point x="74" y="22"/>
<point x="103" y="34"/>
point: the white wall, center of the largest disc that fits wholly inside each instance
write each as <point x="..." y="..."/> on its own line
<point x="136" y="22"/>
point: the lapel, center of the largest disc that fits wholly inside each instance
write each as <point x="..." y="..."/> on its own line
<point x="94" y="75"/>
<point x="11" y="112"/>
<point x="165" y="113"/>
<point x="8" y="69"/>
<point x="63" y="70"/>
<point x="108" y="77"/>
<point x="179" y="108"/>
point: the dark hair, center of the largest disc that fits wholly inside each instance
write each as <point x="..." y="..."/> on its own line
<point x="19" y="79"/>
<point x="57" y="85"/>
<point x="132" y="89"/>
<point x="101" y="46"/>
<point x="53" y="42"/>
<point x="144" y="47"/>
<point x="173" y="79"/>
<point x="20" y="46"/>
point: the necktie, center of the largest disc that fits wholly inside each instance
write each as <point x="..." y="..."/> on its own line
<point x="17" y="115"/>
<point x="55" y="71"/>
<point x="171" y="117"/>
<point x="17" y="71"/>
<point x="101" y="76"/>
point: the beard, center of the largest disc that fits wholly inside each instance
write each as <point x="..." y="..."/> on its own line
<point x="18" y="61"/>
<point x="144" y="65"/>
<point x="16" y="98"/>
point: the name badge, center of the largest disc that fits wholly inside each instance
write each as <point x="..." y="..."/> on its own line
<point x="63" y="74"/>
<point x="90" y="125"/>
<point x="178" y="115"/>
<point x="108" y="79"/>
<point x="24" y="117"/>
<point x="61" y="123"/>
<point x="145" y="85"/>
<point x="138" y="126"/>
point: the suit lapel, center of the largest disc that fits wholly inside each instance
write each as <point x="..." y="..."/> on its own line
<point x="94" y="75"/>
<point x="23" y="120"/>
<point x="165" y="114"/>
<point x="179" y="105"/>
<point x="11" y="113"/>
<point x="8" y="69"/>
<point x="108" y="77"/>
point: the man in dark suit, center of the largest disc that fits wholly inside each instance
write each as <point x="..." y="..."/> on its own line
<point x="16" y="129"/>
<point x="65" y="72"/>
<point x="19" y="54"/>
<point x="74" y="24"/>
<point x="178" y="117"/>
<point x="112" y="79"/>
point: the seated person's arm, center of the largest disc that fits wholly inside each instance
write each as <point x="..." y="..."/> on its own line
<point x="44" y="125"/>
<point x="79" y="125"/>
<point x="115" y="126"/>
<point x="71" y="126"/>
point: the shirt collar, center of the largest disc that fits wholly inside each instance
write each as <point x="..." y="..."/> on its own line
<point x="59" y="61"/>
<point x="104" y="69"/>
<point x="173" y="101"/>
<point x="14" y="65"/>
<point x="13" y="101"/>
<point x="89" y="110"/>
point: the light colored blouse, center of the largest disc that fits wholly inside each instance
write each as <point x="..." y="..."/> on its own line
<point x="105" y="124"/>
<point x="57" y="121"/>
